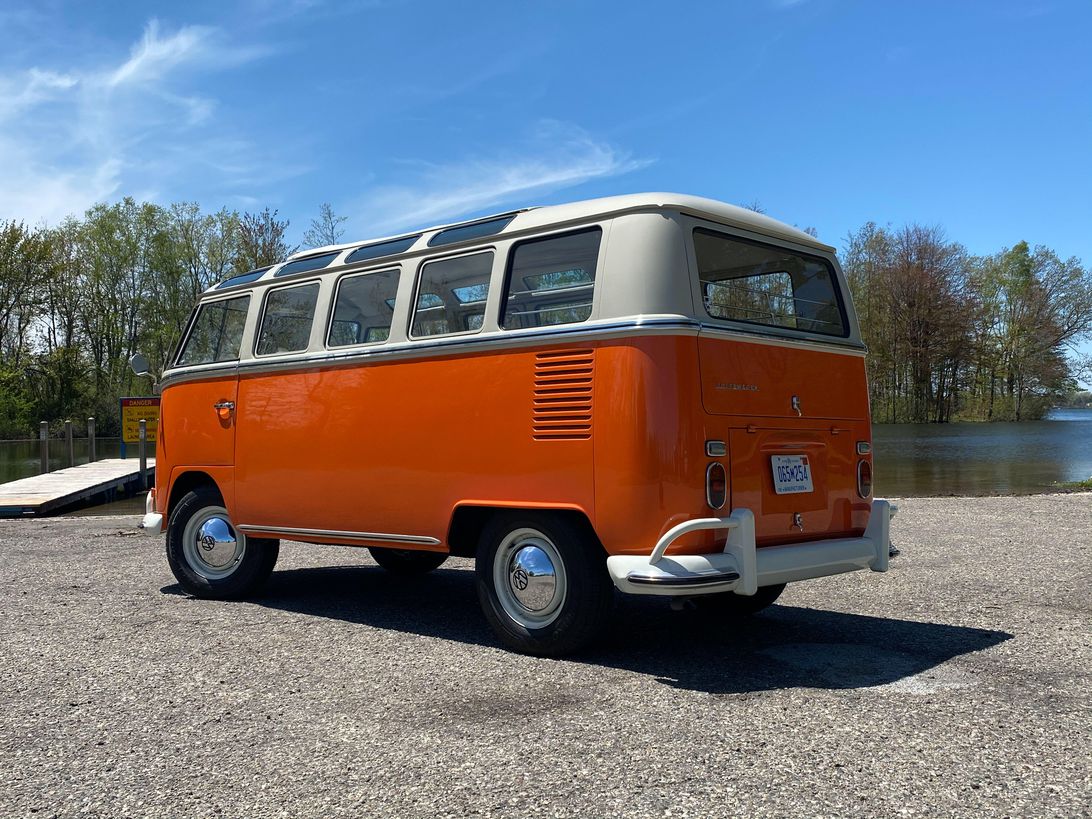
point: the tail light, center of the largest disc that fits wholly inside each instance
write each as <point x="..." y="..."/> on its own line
<point x="716" y="486"/>
<point x="864" y="479"/>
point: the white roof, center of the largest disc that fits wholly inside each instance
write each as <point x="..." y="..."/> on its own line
<point x="611" y="205"/>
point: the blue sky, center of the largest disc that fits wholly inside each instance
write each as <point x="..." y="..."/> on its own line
<point x="973" y="115"/>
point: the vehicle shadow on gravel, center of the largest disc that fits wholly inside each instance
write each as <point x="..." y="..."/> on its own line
<point x="783" y="647"/>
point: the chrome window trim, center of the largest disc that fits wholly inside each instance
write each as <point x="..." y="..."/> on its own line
<point x="265" y="305"/>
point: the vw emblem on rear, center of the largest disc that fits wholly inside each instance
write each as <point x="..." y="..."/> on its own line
<point x="208" y="542"/>
<point x="519" y="578"/>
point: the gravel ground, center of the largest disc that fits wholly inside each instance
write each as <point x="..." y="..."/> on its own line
<point x="959" y="684"/>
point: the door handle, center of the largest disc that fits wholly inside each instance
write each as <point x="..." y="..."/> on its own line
<point x="224" y="407"/>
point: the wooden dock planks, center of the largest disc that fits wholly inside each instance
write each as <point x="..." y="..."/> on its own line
<point x="42" y="494"/>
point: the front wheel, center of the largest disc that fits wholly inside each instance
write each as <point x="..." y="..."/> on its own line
<point x="208" y="556"/>
<point x="543" y="583"/>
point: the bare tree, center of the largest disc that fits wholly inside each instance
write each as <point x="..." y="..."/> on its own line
<point x="326" y="230"/>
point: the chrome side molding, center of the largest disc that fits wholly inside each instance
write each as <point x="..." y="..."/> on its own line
<point x="373" y="537"/>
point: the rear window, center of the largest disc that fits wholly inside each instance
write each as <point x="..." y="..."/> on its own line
<point x="286" y="323"/>
<point x="550" y="281"/>
<point x="451" y="295"/>
<point x="764" y="284"/>
<point x="217" y="332"/>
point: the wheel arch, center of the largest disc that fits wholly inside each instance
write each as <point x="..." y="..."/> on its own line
<point x="469" y="519"/>
<point x="187" y="481"/>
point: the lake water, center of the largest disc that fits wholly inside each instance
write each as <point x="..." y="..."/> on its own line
<point x="21" y="459"/>
<point x="983" y="459"/>
<point x="911" y="459"/>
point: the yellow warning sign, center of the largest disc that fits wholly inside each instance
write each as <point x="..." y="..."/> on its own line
<point x="132" y="410"/>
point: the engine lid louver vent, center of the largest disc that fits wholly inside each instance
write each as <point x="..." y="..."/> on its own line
<point x="562" y="403"/>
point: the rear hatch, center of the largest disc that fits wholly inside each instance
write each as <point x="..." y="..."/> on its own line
<point x="792" y="414"/>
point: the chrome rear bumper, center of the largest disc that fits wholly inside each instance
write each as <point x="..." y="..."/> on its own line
<point x="741" y="567"/>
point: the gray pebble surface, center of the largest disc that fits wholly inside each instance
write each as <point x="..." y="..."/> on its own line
<point x="957" y="684"/>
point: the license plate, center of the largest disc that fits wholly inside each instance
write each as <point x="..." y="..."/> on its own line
<point x="791" y="474"/>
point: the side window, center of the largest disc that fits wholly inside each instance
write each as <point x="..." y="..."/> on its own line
<point x="217" y="332"/>
<point x="758" y="283"/>
<point x="363" y="309"/>
<point x="550" y="281"/>
<point x="451" y="295"/>
<point x="286" y="323"/>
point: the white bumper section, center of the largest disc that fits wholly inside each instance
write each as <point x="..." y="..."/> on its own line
<point x="152" y="524"/>
<point x="742" y="568"/>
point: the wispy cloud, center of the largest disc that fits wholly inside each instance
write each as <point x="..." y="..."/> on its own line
<point x="557" y="156"/>
<point x="70" y="137"/>
<point x="155" y="55"/>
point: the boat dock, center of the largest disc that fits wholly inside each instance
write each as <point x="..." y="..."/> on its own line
<point x="52" y="491"/>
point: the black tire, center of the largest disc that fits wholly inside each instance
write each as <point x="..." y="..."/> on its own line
<point x="730" y="604"/>
<point x="407" y="562"/>
<point x="582" y="593"/>
<point x="234" y="571"/>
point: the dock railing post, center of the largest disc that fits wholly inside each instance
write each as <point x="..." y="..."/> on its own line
<point x="90" y="440"/>
<point x="143" y="454"/>
<point x="43" y="437"/>
<point x="70" y="443"/>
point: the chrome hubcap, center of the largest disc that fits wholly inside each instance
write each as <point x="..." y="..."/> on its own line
<point x="529" y="577"/>
<point x="217" y="542"/>
<point x="212" y="547"/>
<point x="533" y="579"/>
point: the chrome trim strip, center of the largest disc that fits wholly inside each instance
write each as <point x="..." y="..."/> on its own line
<point x="497" y="341"/>
<point x="459" y="345"/>
<point x="839" y="346"/>
<point x="693" y="580"/>
<point x="368" y="536"/>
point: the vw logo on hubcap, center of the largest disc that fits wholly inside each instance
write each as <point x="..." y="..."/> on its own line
<point x="208" y="542"/>
<point x="519" y="578"/>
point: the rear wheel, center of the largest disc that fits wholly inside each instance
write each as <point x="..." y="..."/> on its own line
<point x="406" y="561"/>
<point x="543" y="583"/>
<point x="731" y="604"/>
<point x="208" y="556"/>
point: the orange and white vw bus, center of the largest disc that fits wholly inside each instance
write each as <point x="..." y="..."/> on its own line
<point x="655" y="394"/>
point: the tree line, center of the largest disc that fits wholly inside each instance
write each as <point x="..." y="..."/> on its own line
<point x="77" y="300"/>
<point x="951" y="335"/>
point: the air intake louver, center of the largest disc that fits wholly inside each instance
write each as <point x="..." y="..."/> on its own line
<point x="562" y="409"/>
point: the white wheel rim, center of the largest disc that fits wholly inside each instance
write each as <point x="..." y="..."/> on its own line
<point x="212" y="547"/>
<point x="529" y="578"/>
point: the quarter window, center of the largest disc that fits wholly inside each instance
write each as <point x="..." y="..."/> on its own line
<point x="551" y="281"/>
<point x="451" y="295"/>
<point x="217" y="332"/>
<point x="757" y="283"/>
<point x="363" y="309"/>
<point x="286" y="323"/>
